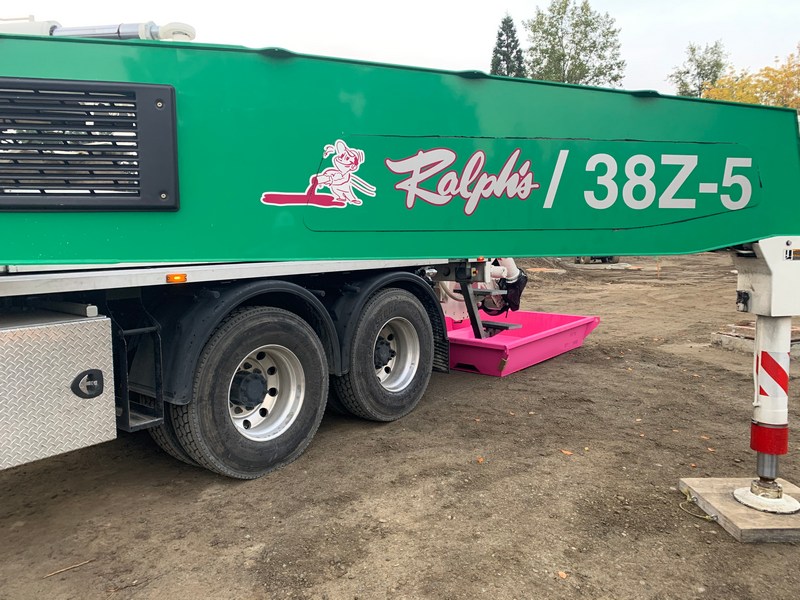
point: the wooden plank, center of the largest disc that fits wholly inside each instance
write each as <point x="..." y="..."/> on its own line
<point x="715" y="498"/>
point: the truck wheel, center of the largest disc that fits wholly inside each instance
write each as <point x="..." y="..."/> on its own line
<point x="613" y="260"/>
<point x="259" y="394"/>
<point x="167" y="439"/>
<point x="391" y="358"/>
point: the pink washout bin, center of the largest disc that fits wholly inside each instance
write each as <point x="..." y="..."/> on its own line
<point x="542" y="336"/>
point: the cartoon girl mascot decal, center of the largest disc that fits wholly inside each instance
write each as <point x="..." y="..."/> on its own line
<point x="340" y="179"/>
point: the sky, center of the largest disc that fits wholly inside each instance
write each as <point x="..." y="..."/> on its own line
<point x="453" y="34"/>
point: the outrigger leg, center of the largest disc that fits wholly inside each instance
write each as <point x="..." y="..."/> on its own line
<point x="762" y="510"/>
<point x="769" y="287"/>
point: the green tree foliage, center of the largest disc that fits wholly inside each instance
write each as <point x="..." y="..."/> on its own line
<point x="572" y="43"/>
<point x="701" y="70"/>
<point x="507" y="55"/>
<point x="778" y="85"/>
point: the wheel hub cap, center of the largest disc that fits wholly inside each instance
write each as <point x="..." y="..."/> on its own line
<point x="248" y="389"/>
<point x="383" y="353"/>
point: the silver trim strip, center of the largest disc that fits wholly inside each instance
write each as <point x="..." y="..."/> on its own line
<point x="50" y="268"/>
<point x="101" y="279"/>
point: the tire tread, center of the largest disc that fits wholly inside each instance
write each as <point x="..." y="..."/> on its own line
<point x="168" y="440"/>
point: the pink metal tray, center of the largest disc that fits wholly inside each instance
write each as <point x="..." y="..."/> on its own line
<point x="542" y="336"/>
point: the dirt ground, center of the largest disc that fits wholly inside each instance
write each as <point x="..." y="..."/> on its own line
<point x="470" y="496"/>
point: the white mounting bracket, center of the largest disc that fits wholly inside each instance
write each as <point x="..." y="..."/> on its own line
<point x="771" y="279"/>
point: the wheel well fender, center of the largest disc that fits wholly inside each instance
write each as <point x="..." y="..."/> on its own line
<point x="188" y="321"/>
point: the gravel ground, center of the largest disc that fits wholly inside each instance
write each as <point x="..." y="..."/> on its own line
<point x="559" y="481"/>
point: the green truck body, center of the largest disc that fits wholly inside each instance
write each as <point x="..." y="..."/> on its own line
<point x="283" y="156"/>
<point x="204" y="241"/>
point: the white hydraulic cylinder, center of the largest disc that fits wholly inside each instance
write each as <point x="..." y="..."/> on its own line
<point x="130" y="31"/>
<point x="121" y="31"/>
<point x="28" y="27"/>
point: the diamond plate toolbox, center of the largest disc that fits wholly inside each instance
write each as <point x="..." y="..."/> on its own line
<point x="41" y="355"/>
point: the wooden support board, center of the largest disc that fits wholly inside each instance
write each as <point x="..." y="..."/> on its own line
<point x="715" y="497"/>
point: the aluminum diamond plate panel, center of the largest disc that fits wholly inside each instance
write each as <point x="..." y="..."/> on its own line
<point x="40" y="416"/>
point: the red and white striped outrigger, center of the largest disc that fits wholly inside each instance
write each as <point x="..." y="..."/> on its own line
<point x="769" y="287"/>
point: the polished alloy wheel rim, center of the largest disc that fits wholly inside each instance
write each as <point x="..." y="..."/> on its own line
<point x="272" y="382"/>
<point x="396" y="354"/>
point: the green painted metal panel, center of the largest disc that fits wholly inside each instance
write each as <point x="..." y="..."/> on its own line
<point x="290" y="157"/>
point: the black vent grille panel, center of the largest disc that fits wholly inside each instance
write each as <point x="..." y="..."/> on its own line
<point x="68" y="145"/>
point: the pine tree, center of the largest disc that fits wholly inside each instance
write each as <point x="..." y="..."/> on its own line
<point x="507" y="55"/>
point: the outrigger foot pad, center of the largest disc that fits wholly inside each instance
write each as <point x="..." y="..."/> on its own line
<point x="779" y="504"/>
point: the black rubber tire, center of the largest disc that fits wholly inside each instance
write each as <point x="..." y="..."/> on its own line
<point x="167" y="439"/>
<point x="334" y="405"/>
<point x="583" y="260"/>
<point x="164" y="435"/>
<point x="204" y="426"/>
<point x="613" y="260"/>
<point x="360" y="391"/>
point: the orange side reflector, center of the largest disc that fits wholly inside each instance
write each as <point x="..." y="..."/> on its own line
<point x="176" y="278"/>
